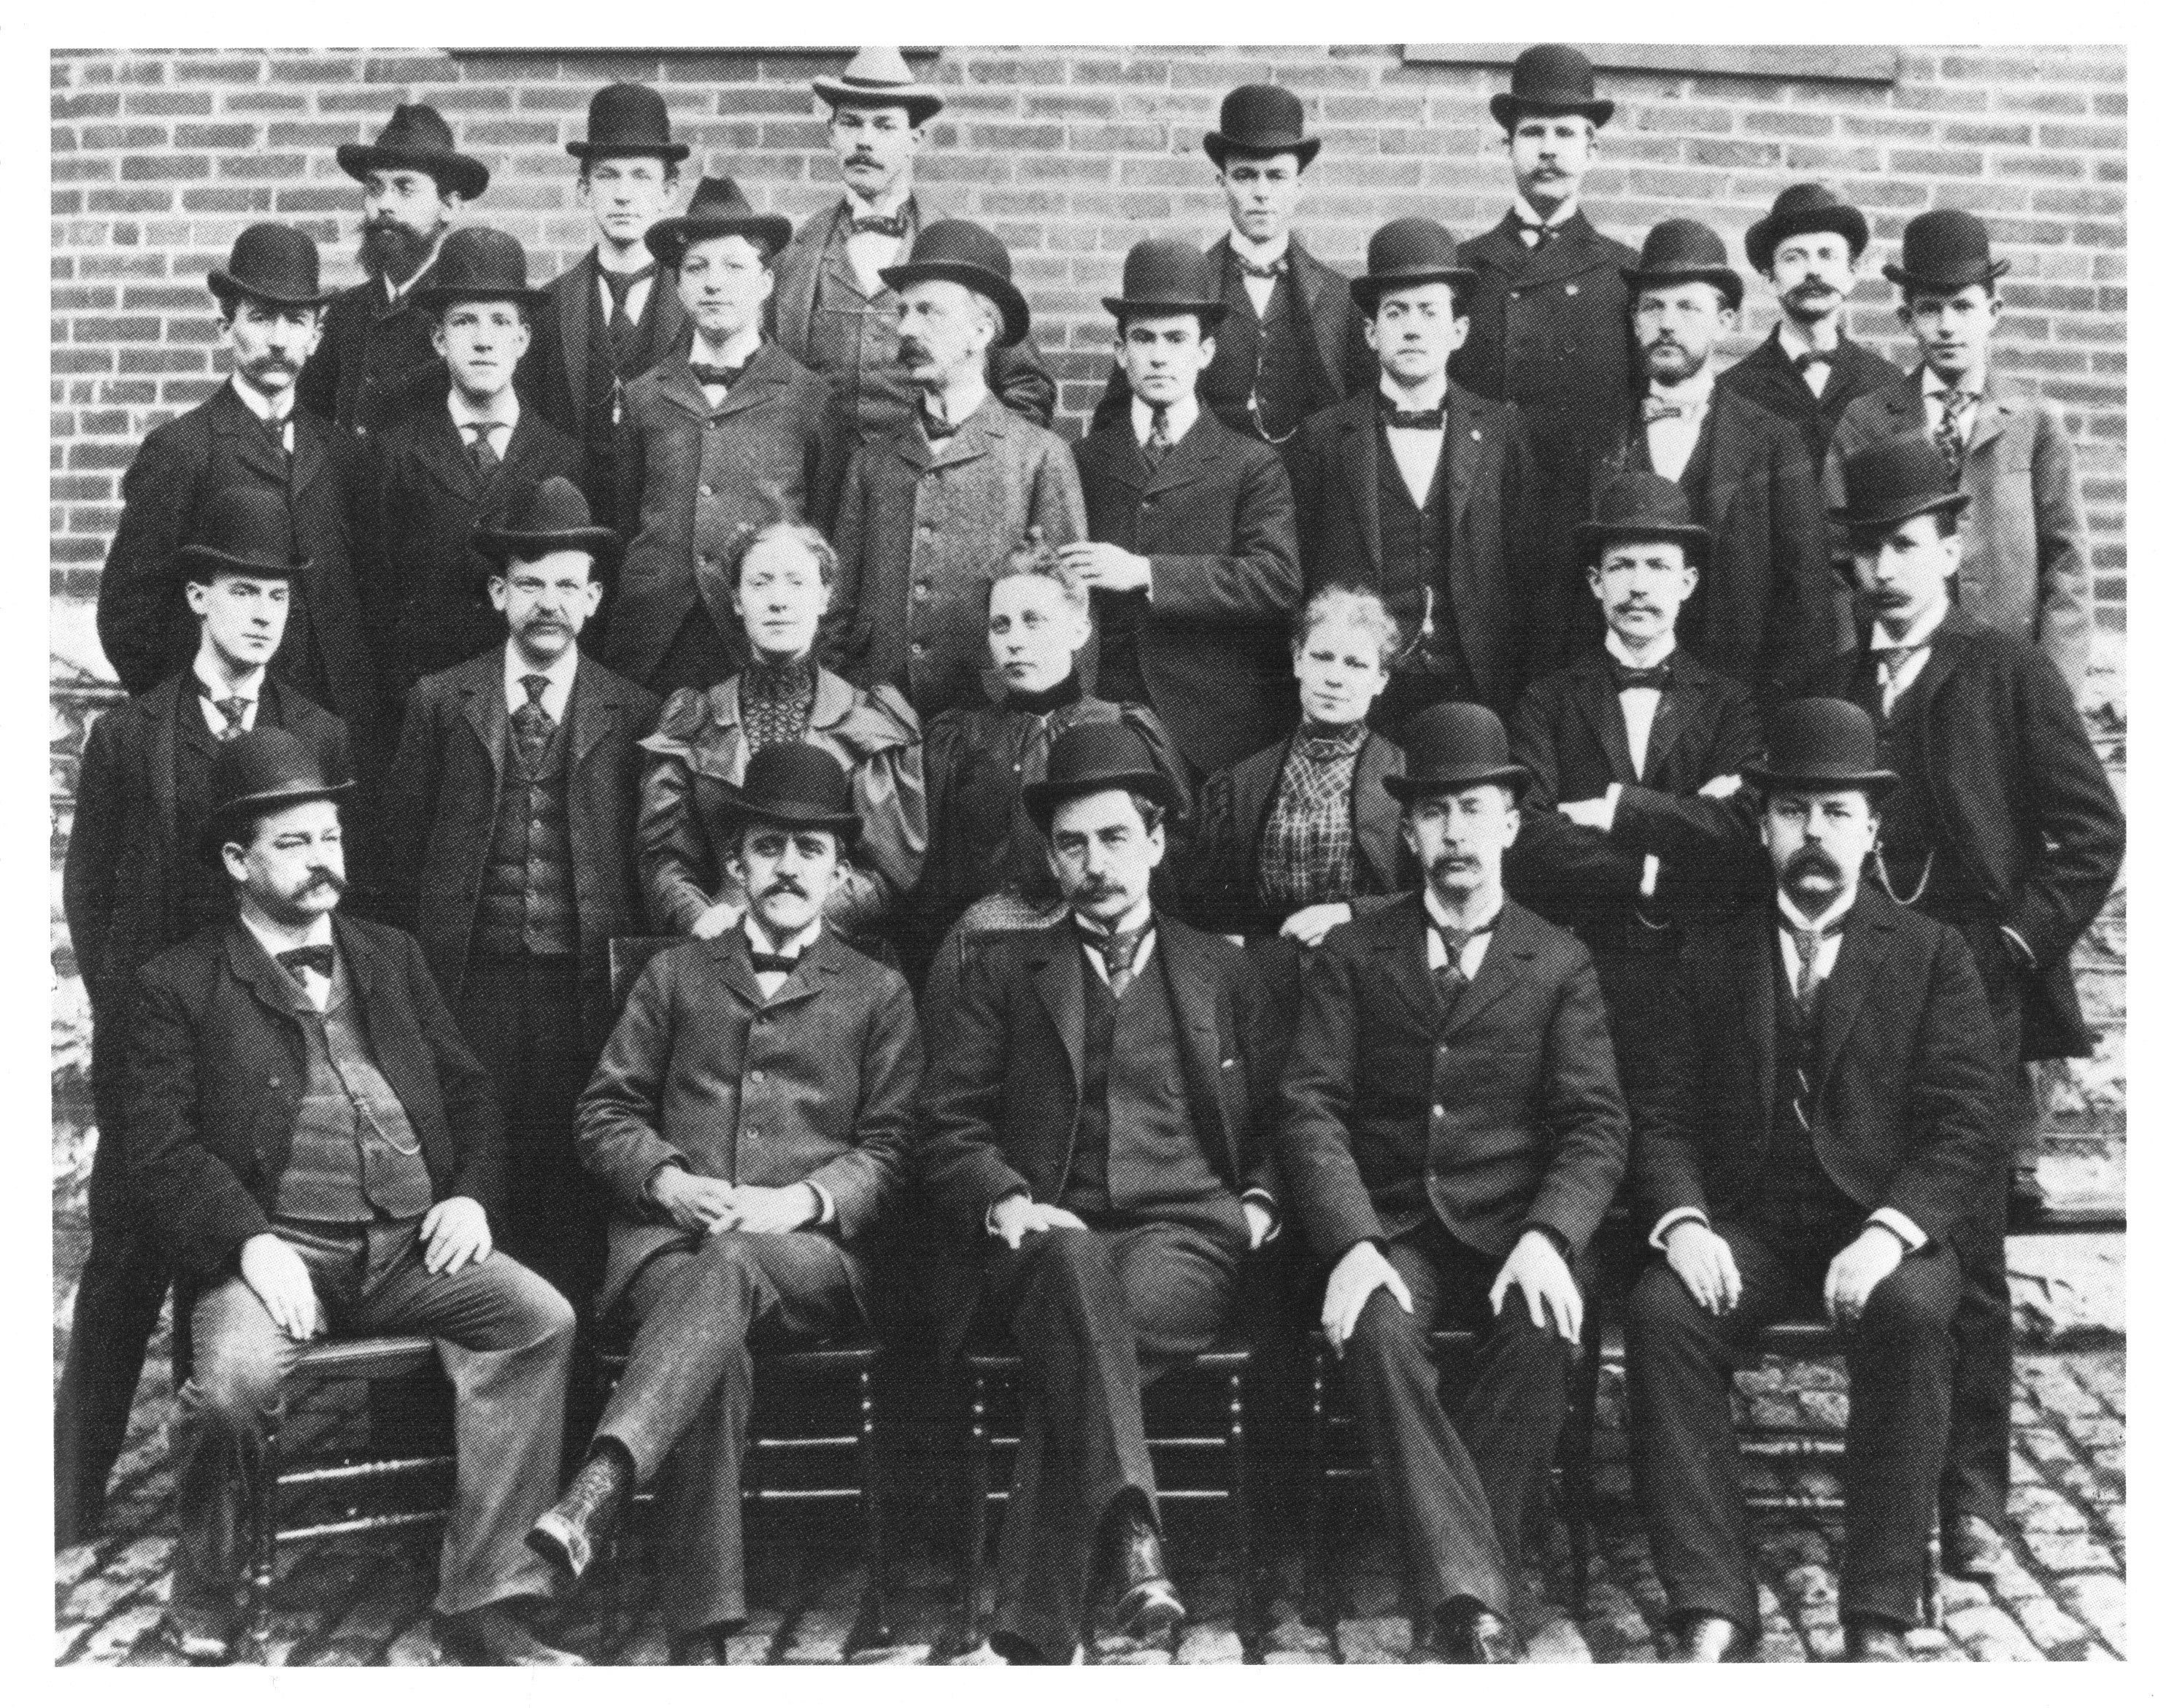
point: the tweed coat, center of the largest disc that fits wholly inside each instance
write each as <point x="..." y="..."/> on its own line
<point x="376" y="356"/>
<point x="1768" y="378"/>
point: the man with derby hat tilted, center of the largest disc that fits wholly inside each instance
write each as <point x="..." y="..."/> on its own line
<point x="1096" y="1135"/>
<point x="1289" y="341"/>
<point x="318" y="1150"/>
<point x="1453" y="1132"/>
<point x="1820" y="1119"/>
<point x="834" y="307"/>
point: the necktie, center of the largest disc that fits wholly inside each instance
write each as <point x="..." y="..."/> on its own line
<point x="1534" y="236"/>
<point x="316" y="956"/>
<point x="1629" y="676"/>
<point x="936" y="429"/>
<point x="1652" y="409"/>
<point x="1813" y="358"/>
<point x="1888" y="662"/>
<point x="1450" y="978"/>
<point x="1415" y="420"/>
<point x="623" y="329"/>
<point x="281" y="429"/>
<point x="235" y="711"/>
<point x="485" y="458"/>
<point x="877" y="225"/>
<point x="707" y="374"/>
<point x="1160" y="441"/>
<point x="531" y="726"/>
<point x="1949" y="438"/>
<point x="1261" y="270"/>
<point x="1809" y="939"/>
<point x="762" y="961"/>
<point x="1119" y="950"/>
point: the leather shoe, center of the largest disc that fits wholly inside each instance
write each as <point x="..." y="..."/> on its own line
<point x="706" y="1646"/>
<point x="497" y="1636"/>
<point x="1707" y="1637"/>
<point x="1468" y="1634"/>
<point x="1146" y="1608"/>
<point x="1872" y="1640"/>
<point x="567" y="1534"/>
<point x="1971" y="1547"/>
<point x="195" y="1643"/>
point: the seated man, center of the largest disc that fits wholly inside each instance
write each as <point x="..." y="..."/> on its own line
<point x="316" y="1148"/>
<point x="751" y="1117"/>
<point x="1098" y="1125"/>
<point x="1822" y="1117"/>
<point x="1454" y="1131"/>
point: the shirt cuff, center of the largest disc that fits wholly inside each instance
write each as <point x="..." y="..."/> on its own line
<point x="823" y="1206"/>
<point x="1660" y="1238"/>
<point x="1610" y="797"/>
<point x="1270" y="1205"/>
<point x="2023" y="949"/>
<point x="1912" y="1236"/>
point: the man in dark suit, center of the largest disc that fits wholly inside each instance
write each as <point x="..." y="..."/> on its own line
<point x="2004" y="826"/>
<point x="1820" y="1120"/>
<point x="833" y="309"/>
<point x="1766" y="608"/>
<point x="133" y="887"/>
<point x="610" y="316"/>
<point x="514" y="794"/>
<point x="248" y="433"/>
<point x="1809" y="371"/>
<point x="378" y="344"/>
<point x="750" y="1121"/>
<point x="1426" y="494"/>
<point x="1289" y="341"/>
<point x="317" y="1148"/>
<point x="1191" y="560"/>
<point x="1097" y="1127"/>
<point x="1453" y="1133"/>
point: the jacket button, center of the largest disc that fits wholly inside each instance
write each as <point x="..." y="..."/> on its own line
<point x="706" y="490"/>
<point x="756" y="1076"/>
<point x="917" y="649"/>
<point x="1437" y="1110"/>
<point x="273" y="1082"/>
<point x="752" y="1132"/>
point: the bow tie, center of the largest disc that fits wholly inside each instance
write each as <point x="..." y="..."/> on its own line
<point x="1261" y="270"/>
<point x="1416" y="420"/>
<point x="936" y="429"/>
<point x="877" y="225"/>
<point x="1632" y="676"/>
<point x="1813" y="358"/>
<point x="1541" y="234"/>
<point x="316" y="955"/>
<point x="1891" y="659"/>
<point x="707" y="374"/>
<point x="1652" y="409"/>
<point x="762" y="961"/>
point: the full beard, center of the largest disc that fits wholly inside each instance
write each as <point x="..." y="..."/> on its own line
<point x="392" y="251"/>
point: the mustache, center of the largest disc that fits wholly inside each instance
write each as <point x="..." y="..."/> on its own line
<point x="784" y="886"/>
<point x="322" y="878"/>
<point x="1445" y="864"/>
<point x="1810" y="862"/>
<point x="910" y="350"/>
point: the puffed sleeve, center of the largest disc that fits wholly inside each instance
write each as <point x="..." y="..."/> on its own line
<point x="677" y="867"/>
<point x="887" y="786"/>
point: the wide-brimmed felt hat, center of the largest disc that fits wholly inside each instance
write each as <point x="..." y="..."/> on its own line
<point x="244" y="531"/>
<point x="879" y="77"/>
<point x="1261" y="119"/>
<point x="1886" y="484"/>
<point x="1409" y="252"/>
<point x="795" y="785"/>
<point x="1455" y="746"/>
<point x="1167" y="276"/>
<point x="718" y="209"/>
<point x="1090" y="759"/>
<point x="1799" y="208"/>
<point x="1549" y="77"/>
<point x="417" y="138"/>
<point x="260" y="771"/>
<point x="1945" y="249"/>
<point x="627" y="118"/>
<point x="273" y="264"/>
<point x="968" y="255"/>
<point x="1821" y="745"/>
<point x="1684" y="251"/>
<point x="545" y="516"/>
<point x="478" y="264"/>
<point x="1640" y="506"/>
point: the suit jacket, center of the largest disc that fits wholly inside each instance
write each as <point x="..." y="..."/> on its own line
<point x="2026" y="561"/>
<point x="144" y="623"/>
<point x="553" y="375"/>
<point x="1907" y="1114"/>
<point x="1569" y="731"/>
<point x="1766" y="604"/>
<point x="1015" y="373"/>
<point x="1769" y="378"/>
<point x="440" y="802"/>
<point x="1504" y="588"/>
<point x="426" y="589"/>
<point x="217" y="1062"/>
<point x="815" y="1083"/>
<point x="2026" y="806"/>
<point x="1507" y="1118"/>
<point x="690" y="477"/>
<point x="375" y="356"/>
<point x="921" y="533"/>
<point x="1216" y="519"/>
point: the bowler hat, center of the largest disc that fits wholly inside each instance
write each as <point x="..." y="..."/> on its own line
<point x="1681" y="252"/>
<point x="1260" y="118"/>
<point x="1820" y="744"/>
<point x="795" y="785"/>
<point x="1803" y="208"/>
<point x="1551" y="78"/>
<point x="718" y="209"/>
<point x="1641" y="506"/>
<point x="545" y="516"/>
<point x="968" y="255"/>
<point x="1886" y="484"/>
<point x="1090" y="759"/>
<point x="1409" y="252"/>
<point x="879" y="77"/>
<point x="477" y="264"/>
<point x="1167" y="276"/>
<point x="627" y="118"/>
<point x="1455" y="746"/>
<point x="272" y="264"/>
<point x="260" y="771"/>
<point x="245" y="530"/>
<point x="417" y="138"/>
<point x="1945" y="249"/>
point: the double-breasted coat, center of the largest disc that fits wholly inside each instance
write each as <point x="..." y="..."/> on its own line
<point x="377" y="355"/>
<point x="1768" y="378"/>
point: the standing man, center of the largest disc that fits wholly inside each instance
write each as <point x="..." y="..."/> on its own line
<point x="609" y="317"/>
<point x="835" y="308"/>
<point x="1097" y="1125"/>
<point x="133" y="888"/>
<point x="379" y="344"/>
<point x="1453" y="1133"/>
<point x="515" y="794"/>
<point x="1823" y="1118"/>
<point x="1809" y="371"/>
<point x="1289" y="341"/>
<point x="934" y="507"/>
<point x="1191" y="560"/>
<point x="318" y="1150"/>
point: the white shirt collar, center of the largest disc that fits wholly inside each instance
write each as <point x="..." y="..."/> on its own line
<point x="276" y="938"/>
<point x="1435" y="910"/>
<point x="1180" y="417"/>
<point x="1399" y="394"/>
<point x="888" y="206"/>
<point x="1259" y="254"/>
<point x="1792" y="346"/>
<point x="1529" y="217"/>
<point x="504" y="409"/>
<point x="1696" y="390"/>
<point x="1935" y="385"/>
<point x="1834" y="916"/>
<point x="1616" y="651"/>
<point x="1921" y="632"/>
<point x="256" y="404"/>
<point x="738" y="348"/>
<point x="756" y="935"/>
<point x="394" y="293"/>
<point x="959" y="404"/>
<point x="560" y="674"/>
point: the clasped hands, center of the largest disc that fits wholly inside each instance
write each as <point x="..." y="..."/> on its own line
<point x="1536" y="1267"/>
<point x="700" y="1204"/>
<point x="1018" y="1215"/>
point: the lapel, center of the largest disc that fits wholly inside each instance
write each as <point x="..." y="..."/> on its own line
<point x="249" y="438"/>
<point x="1868" y="936"/>
<point x="525" y="434"/>
<point x="1125" y="458"/>
<point x="1191" y="460"/>
<point x="168" y="700"/>
<point x="1404" y="952"/>
<point x="1311" y="282"/>
<point x="673" y="375"/>
<point x="1464" y="418"/>
<point x="731" y="957"/>
<point x="1571" y="252"/>
<point x="1376" y="813"/>
<point x="1059" y="975"/>
<point x="816" y="967"/>
<point x="1951" y="645"/>
<point x="1231" y="291"/>
<point x="482" y="693"/>
<point x="311" y="450"/>
<point x="763" y="376"/>
<point x="1905" y="405"/>
<point x="981" y="436"/>
<point x="1255" y="787"/>
<point x="264" y="978"/>
<point x="1720" y="454"/>
<point x="1848" y="378"/>
<point x="1358" y="432"/>
<point x="441" y="451"/>
<point x="575" y="313"/>
<point x="1994" y="412"/>
<point x="1195" y="1001"/>
<point x="1773" y="360"/>
<point x="1597" y="697"/>
<point x="1510" y="948"/>
<point x="590" y="716"/>
<point x="799" y="282"/>
<point x="1752" y="966"/>
<point x="1679" y="705"/>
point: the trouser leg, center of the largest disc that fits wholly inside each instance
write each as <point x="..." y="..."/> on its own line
<point x="118" y="1295"/>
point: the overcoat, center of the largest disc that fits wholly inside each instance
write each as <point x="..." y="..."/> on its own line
<point x="1769" y="378"/>
<point x="375" y="356"/>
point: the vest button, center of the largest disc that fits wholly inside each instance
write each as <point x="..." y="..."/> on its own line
<point x="1436" y="1109"/>
<point x="706" y="490"/>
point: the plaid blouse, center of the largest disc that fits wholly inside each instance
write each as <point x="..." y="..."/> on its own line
<point x="774" y="702"/>
<point x="1307" y="852"/>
